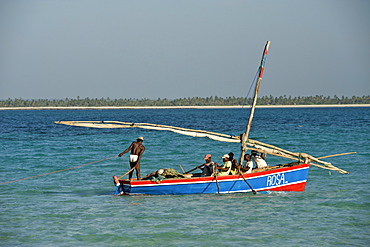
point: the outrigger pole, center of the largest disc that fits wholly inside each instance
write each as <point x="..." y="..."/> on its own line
<point x="245" y="135"/>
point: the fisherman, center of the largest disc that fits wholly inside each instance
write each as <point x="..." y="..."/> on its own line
<point x="137" y="150"/>
<point x="248" y="166"/>
<point x="234" y="166"/>
<point x="207" y="167"/>
<point x="226" y="166"/>
<point x="259" y="159"/>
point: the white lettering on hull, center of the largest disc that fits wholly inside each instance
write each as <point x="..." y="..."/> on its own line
<point x="276" y="179"/>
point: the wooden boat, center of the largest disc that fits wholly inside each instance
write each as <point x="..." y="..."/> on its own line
<point x="285" y="177"/>
<point x="288" y="177"/>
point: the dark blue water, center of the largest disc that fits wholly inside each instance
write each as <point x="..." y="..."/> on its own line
<point x="76" y="207"/>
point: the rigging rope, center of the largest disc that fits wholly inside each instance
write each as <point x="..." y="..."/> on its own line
<point x="245" y="103"/>
<point x="58" y="170"/>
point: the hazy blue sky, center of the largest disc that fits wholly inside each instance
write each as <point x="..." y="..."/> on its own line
<point x="55" y="49"/>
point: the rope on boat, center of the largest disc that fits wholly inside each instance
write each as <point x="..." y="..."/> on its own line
<point x="128" y="172"/>
<point x="59" y="170"/>
<point x="245" y="100"/>
<point x="245" y="180"/>
<point x="218" y="186"/>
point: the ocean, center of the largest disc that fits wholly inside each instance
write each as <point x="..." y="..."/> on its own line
<point x="76" y="207"/>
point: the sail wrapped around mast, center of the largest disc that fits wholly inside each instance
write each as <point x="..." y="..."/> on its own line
<point x="249" y="144"/>
<point x="183" y="131"/>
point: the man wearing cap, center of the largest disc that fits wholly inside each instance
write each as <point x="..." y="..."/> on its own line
<point x="226" y="166"/>
<point x="207" y="167"/>
<point x="137" y="150"/>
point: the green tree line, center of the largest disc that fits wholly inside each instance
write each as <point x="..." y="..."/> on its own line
<point x="194" y="101"/>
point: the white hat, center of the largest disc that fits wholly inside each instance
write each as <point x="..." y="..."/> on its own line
<point x="140" y="138"/>
<point x="225" y="156"/>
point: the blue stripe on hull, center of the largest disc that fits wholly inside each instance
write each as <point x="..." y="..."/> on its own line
<point x="263" y="182"/>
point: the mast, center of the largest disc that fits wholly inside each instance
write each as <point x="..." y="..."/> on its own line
<point x="245" y="135"/>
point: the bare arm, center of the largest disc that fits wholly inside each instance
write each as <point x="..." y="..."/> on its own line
<point x="222" y="169"/>
<point x="201" y="166"/>
<point x="141" y="152"/>
<point x="128" y="149"/>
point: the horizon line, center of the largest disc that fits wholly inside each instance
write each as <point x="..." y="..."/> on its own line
<point x="175" y="107"/>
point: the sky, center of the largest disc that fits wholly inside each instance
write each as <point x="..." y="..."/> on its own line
<point x="174" y="49"/>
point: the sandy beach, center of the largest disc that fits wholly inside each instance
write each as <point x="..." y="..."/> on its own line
<point x="173" y="107"/>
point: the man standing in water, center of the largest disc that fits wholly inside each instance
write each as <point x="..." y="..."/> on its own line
<point x="137" y="150"/>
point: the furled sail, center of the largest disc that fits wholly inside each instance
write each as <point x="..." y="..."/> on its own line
<point x="250" y="144"/>
<point x="182" y="131"/>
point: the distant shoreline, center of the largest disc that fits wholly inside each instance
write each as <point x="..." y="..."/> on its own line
<point x="173" y="107"/>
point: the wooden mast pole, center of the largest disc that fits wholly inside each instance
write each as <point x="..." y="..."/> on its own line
<point x="245" y="135"/>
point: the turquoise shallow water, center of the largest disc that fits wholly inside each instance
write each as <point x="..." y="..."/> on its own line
<point x="76" y="207"/>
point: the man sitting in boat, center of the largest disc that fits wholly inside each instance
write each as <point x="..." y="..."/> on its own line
<point x="234" y="166"/>
<point x="248" y="166"/>
<point x="226" y="166"/>
<point x="259" y="159"/>
<point x="207" y="167"/>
